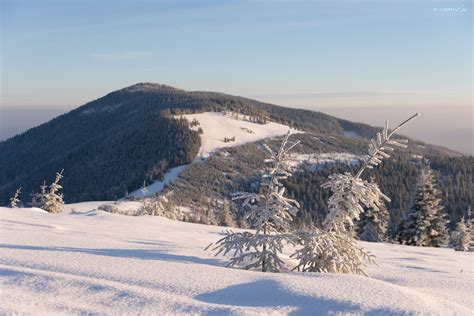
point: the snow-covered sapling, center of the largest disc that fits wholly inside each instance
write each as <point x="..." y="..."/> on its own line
<point x="461" y="237"/>
<point x="269" y="212"/>
<point x="51" y="200"/>
<point x="15" y="199"/>
<point x="333" y="248"/>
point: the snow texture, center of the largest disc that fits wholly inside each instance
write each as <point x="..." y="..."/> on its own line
<point x="216" y="126"/>
<point x="158" y="186"/>
<point x="91" y="262"/>
<point x="320" y="160"/>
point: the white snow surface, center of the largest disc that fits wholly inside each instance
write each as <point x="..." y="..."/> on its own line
<point x="92" y="262"/>
<point x="158" y="186"/>
<point x="321" y="159"/>
<point x="217" y="126"/>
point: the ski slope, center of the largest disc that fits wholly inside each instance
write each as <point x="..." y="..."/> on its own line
<point x="216" y="126"/>
<point x="91" y="262"/>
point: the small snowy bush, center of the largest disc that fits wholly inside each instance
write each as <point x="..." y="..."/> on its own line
<point x="330" y="252"/>
<point x="269" y="212"/>
<point x="50" y="199"/>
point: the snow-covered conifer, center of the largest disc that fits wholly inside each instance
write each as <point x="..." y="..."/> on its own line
<point x="373" y="224"/>
<point x="15" y="199"/>
<point x="269" y="212"/>
<point x="461" y="237"/>
<point x="51" y="200"/>
<point x="330" y="252"/>
<point x="333" y="249"/>
<point x="470" y="226"/>
<point x="425" y="223"/>
<point x="227" y="218"/>
<point x="37" y="199"/>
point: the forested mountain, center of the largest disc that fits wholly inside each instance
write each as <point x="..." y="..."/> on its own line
<point x="112" y="145"/>
<point x="205" y="185"/>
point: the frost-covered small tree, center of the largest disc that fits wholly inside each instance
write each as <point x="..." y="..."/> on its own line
<point x="51" y="200"/>
<point x="461" y="237"/>
<point x="373" y="224"/>
<point x="269" y="213"/>
<point x="333" y="248"/>
<point x="425" y="223"/>
<point x="15" y="199"/>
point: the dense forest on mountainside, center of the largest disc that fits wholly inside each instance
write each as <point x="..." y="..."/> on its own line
<point x="114" y="144"/>
<point x="206" y="186"/>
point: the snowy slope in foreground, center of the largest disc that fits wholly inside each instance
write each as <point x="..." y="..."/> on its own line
<point x="217" y="126"/>
<point x="97" y="262"/>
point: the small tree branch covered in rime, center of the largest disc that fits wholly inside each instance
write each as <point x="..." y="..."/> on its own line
<point x="351" y="193"/>
<point x="334" y="249"/>
<point x="269" y="212"/>
<point x="378" y="148"/>
<point x="15" y="199"/>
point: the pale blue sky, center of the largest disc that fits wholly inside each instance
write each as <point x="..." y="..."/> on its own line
<point x="293" y="52"/>
<point x="321" y="55"/>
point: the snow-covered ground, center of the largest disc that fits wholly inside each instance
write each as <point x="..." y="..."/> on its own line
<point x="216" y="126"/>
<point x="158" y="186"/>
<point x="100" y="263"/>
<point x="321" y="159"/>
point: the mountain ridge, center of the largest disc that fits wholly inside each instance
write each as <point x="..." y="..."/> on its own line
<point x="114" y="144"/>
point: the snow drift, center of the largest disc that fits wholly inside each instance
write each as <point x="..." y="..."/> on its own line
<point x="90" y="261"/>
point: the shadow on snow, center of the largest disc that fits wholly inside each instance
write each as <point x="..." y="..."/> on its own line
<point x="144" y="254"/>
<point x="271" y="294"/>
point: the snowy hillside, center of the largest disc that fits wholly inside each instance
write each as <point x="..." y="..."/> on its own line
<point x="218" y="126"/>
<point x="95" y="262"/>
<point x="158" y="186"/>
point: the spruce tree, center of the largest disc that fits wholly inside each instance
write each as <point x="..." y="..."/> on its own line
<point x="51" y="200"/>
<point x="470" y="227"/>
<point x="425" y="223"/>
<point x="461" y="237"/>
<point x="15" y="199"/>
<point x="373" y="224"/>
<point x="269" y="213"/>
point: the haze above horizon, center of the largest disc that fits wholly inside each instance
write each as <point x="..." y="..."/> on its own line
<point x="309" y="54"/>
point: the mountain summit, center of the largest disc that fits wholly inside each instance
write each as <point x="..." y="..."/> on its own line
<point x="113" y="145"/>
